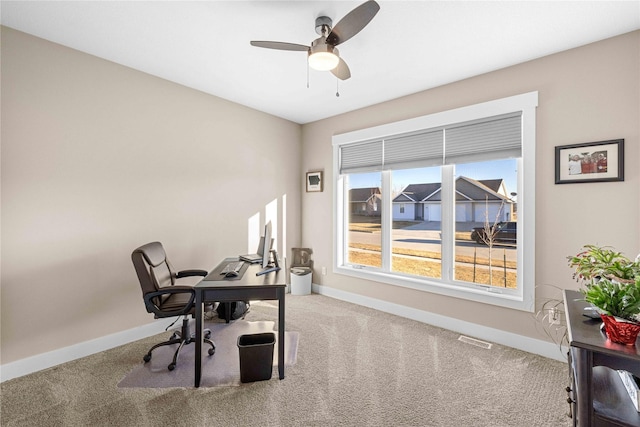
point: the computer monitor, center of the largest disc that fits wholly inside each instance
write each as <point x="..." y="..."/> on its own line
<point x="266" y="248"/>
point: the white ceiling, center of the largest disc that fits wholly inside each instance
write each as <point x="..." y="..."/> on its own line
<point x="409" y="46"/>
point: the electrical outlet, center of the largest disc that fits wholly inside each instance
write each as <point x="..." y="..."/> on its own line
<point x="554" y="316"/>
<point x="324" y="271"/>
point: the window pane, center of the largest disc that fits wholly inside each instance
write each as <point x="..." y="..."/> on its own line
<point x="364" y="235"/>
<point x="416" y="211"/>
<point x="486" y="246"/>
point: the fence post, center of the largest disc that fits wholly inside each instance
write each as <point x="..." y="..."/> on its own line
<point x="504" y="266"/>
<point x="474" y="264"/>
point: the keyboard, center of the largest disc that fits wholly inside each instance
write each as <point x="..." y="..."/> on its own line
<point x="232" y="266"/>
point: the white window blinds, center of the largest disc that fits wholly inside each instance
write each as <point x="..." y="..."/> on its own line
<point x="495" y="137"/>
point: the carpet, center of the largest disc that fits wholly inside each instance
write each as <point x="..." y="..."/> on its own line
<point x="221" y="369"/>
<point x="355" y="367"/>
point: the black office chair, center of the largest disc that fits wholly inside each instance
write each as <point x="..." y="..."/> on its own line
<point x="163" y="297"/>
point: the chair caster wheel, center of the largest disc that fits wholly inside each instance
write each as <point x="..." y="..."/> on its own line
<point x="211" y="351"/>
<point x="146" y="358"/>
<point x="171" y="367"/>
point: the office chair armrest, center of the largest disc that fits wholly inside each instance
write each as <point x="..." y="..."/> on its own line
<point x="189" y="273"/>
<point x="153" y="308"/>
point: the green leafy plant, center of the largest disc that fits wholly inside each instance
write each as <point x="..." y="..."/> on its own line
<point x="596" y="262"/>
<point x="614" y="298"/>
<point x="612" y="281"/>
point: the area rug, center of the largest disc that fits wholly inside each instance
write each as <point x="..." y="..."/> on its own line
<point x="221" y="369"/>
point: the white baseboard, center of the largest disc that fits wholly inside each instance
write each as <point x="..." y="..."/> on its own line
<point x="56" y="357"/>
<point x="530" y="345"/>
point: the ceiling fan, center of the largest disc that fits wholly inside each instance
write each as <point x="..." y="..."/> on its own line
<point x="323" y="54"/>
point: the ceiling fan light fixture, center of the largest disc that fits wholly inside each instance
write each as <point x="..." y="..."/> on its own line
<point x="323" y="56"/>
<point x="323" y="61"/>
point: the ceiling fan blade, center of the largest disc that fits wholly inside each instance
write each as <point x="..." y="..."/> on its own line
<point x="353" y="22"/>
<point x="342" y="70"/>
<point x="280" y="46"/>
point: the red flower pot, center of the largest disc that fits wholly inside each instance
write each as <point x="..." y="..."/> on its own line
<point x="620" y="332"/>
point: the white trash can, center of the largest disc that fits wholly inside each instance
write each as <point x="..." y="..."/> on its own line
<point x="300" y="281"/>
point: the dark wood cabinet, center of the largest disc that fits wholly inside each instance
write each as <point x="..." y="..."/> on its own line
<point x="597" y="394"/>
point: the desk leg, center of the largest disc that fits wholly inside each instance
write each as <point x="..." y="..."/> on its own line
<point x="281" y="293"/>
<point x="583" y="360"/>
<point x="199" y="319"/>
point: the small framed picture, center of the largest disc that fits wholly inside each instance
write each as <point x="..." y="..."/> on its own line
<point x="314" y="181"/>
<point x="590" y="162"/>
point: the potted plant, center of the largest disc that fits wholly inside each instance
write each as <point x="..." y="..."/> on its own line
<point x="612" y="285"/>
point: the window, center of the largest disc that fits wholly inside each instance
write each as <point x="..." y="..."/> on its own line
<point x="415" y="231"/>
<point x="456" y="193"/>
<point x="486" y="242"/>
<point x="363" y="238"/>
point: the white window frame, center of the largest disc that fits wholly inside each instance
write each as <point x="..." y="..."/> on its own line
<point x="523" y="298"/>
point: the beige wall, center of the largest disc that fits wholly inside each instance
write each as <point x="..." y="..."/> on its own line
<point x="98" y="159"/>
<point x="587" y="94"/>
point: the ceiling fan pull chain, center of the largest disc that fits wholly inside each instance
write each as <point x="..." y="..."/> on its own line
<point x="337" y="88"/>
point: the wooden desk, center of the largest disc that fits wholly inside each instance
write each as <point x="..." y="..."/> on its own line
<point x="599" y="395"/>
<point x="271" y="286"/>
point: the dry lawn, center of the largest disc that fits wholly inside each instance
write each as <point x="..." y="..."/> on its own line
<point x="426" y="264"/>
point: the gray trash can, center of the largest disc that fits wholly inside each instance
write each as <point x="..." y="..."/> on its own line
<point x="256" y="356"/>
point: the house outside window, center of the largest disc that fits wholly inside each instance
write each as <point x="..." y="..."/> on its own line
<point x="461" y="174"/>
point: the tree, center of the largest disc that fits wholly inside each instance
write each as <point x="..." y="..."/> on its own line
<point x="490" y="233"/>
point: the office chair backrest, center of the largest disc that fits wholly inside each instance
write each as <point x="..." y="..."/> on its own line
<point x="152" y="267"/>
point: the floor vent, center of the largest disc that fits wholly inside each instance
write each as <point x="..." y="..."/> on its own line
<point x="475" y="342"/>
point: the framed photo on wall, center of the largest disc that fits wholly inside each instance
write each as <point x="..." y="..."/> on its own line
<point x="590" y="162"/>
<point x="314" y="181"/>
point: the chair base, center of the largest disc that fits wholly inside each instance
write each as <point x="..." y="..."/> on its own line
<point x="181" y="337"/>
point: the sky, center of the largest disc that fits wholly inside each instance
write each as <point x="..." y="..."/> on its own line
<point x="505" y="169"/>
